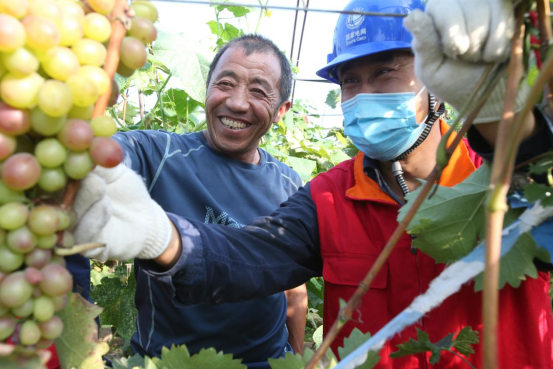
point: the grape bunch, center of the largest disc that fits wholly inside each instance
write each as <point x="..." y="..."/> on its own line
<point x="51" y="58"/>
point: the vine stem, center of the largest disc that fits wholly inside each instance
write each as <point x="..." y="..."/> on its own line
<point x="546" y="36"/>
<point x="496" y="209"/>
<point x="462" y="358"/>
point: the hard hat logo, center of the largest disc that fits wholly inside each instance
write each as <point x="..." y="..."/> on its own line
<point x="353" y="21"/>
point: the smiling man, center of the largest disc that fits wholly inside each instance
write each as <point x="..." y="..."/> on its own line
<point x="220" y="176"/>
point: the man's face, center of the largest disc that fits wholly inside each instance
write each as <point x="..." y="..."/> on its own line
<point x="390" y="72"/>
<point x="243" y="101"/>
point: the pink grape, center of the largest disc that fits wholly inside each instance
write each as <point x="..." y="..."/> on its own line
<point x="76" y="135"/>
<point x="52" y="328"/>
<point x="12" y="34"/>
<point x="132" y="53"/>
<point x="21" y="240"/>
<point x="14" y="122"/>
<point x="56" y="280"/>
<point x="7" y="326"/>
<point x="106" y="152"/>
<point x="38" y="258"/>
<point x="7" y="146"/>
<point x="21" y="171"/>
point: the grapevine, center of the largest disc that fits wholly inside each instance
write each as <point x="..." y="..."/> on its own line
<point x="54" y="68"/>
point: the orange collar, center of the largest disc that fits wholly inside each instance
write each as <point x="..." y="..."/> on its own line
<point x="460" y="167"/>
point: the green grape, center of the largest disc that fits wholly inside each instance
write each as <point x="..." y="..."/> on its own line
<point x="21" y="62"/>
<point x="78" y="164"/>
<point x="52" y="180"/>
<point x="56" y="280"/>
<point x="47" y="9"/>
<point x="9" y="195"/>
<point x="70" y="9"/>
<point x="102" y="6"/>
<point x="143" y="29"/>
<point x="14" y="122"/>
<point x="103" y="126"/>
<point x="145" y="9"/>
<point x="52" y="328"/>
<point x="96" y="27"/>
<point x="17" y="9"/>
<point x="68" y="240"/>
<point x="84" y="113"/>
<point x="55" y="98"/>
<point x="98" y="76"/>
<point x="65" y="219"/>
<point x="50" y="153"/>
<point x="12" y="34"/>
<point x="43" y="309"/>
<point x="21" y="240"/>
<point x="3" y="312"/>
<point x="124" y="71"/>
<point x="15" y="290"/>
<point x="13" y="215"/>
<point x="90" y="52"/>
<point x="44" y="220"/>
<point x="132" y="53"/>
<point x="58" y="260"/>
<point x="71" y="31"/>
<point x="30" y="333"/>
<point x="84" y="91"/>
<point x="20" y="92"/>
<point x="42" y="33"/>
<point x="24" y="310"/>
<point x="45" y="124"/>
<point x="60" y="63"/>
<point x="46" y="242"/>
<point x="7" y="326"/>
<point x="9" y="260"/>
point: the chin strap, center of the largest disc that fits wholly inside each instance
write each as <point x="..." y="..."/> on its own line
<point x="430" y="120"/>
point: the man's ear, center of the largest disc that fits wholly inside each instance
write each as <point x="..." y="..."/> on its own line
<point x="282" y="110"/>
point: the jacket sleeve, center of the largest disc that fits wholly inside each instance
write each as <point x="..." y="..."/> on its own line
<point x="225" y="264"/>
<point x="541" y="141"/>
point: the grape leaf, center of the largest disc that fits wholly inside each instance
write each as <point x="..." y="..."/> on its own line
<point x="356" y="339"/>
<point x="536" y="191"/>
<point x="449" y="224"/>
<point x="133" y="362"/>
<point x="304" y="167"/>
<point x="178" y="357"/>
<point x="333" y="98"/>
<point x="462" y="343"/>
<point x="297" y="361"/>
<point x="543" y="165"/>
<point x="78" y="345"/>
<point x="117" y="299"/>
<point x="185" y="62"/>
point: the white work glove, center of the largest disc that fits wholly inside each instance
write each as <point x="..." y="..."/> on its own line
<point x="454" y="41"/>
<point x="114" y="207"/>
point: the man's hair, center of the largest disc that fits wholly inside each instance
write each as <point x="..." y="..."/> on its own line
<point x="251" y="44"/>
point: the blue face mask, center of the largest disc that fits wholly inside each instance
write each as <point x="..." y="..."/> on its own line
<point x="382" y="126"/>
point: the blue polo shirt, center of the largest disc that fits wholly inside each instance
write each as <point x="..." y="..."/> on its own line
<point x="187" y="177"/>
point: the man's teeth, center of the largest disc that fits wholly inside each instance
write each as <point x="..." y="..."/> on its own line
<point x="232" y="124"/>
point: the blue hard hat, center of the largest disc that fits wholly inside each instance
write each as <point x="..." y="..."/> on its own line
<point x="356" y="36"/>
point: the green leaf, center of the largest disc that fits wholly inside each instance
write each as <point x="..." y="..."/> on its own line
<point x="422" y="344"/>
<point x="178" y="357"/>
<point x="464" y="341"/>
<point x="537" y="191"/>
<point x="230" y="32"/>
<point x="96" y="276"/>
<point x="78" y="345"/>
<point x="296" y="361"/>
<point x="304" y="167"/>
<point x="184" y="104"/>
<point x="189" y="66"/>
<point x="134" y="362"/>
<point x="318" y="337"/>
<point x="117" y="299"/>
<point x="333" y="98"/>
<point x="356" y="339"/>
<point x="515" y="265"/>
<point x="449" y="224"/>
<point x="143" y="79"/>
<point x="214" y="27"/>
<point x="543" y="165"/>
<point x="237" y="11"/>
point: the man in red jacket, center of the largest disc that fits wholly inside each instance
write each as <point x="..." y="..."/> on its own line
<point x="337" y="224"/>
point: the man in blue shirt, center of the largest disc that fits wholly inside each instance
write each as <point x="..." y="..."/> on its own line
<point x="220" y="176"/>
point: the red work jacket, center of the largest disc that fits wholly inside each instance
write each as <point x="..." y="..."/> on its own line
<point x="356" y="219"/>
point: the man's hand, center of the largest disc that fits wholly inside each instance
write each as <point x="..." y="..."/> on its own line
<point x="454" y="41"/>
<point x="114" y="207"/>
